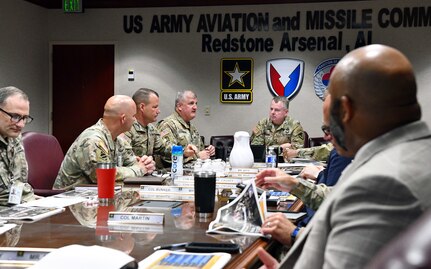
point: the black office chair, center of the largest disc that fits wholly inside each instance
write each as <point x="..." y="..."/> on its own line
<point x="223" y="145"/>
<point x="317" y="141"/>
<point x="306" y="140"/>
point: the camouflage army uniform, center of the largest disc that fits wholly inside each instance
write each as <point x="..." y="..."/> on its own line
<point x="177" y="132"/>
<point x="318" y="153"/>
<point x="266" y="133"/>
<point x="147" y="141"/>
<point x="13" y="167"/>
<point x="95" y="145"/>
<point x="311" y="194"/>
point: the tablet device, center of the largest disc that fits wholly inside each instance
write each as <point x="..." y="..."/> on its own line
<point x="177" y="259"/>
<point x="212" y="247"/>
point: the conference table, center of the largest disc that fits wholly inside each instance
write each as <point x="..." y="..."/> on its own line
<point x="85" y="224"/>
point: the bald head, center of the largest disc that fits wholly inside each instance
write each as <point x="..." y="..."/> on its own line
<point x="373" y="90"/>
<point x="119" y="114"/>
<point x="117" y="105"/>
<point x="377" y="78"/>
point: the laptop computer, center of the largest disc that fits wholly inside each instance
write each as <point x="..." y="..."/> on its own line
<point x="258" y="153"/>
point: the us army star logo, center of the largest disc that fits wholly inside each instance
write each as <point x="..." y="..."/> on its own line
<point x="236" y="76"/>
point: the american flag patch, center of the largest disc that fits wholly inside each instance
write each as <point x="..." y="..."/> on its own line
<point x="164" y="133"/>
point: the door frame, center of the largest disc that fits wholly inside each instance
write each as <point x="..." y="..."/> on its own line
<point x="50" y="94"/>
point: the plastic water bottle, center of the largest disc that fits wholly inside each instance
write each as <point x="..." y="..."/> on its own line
<point x="271" y="157"/>
<point x="177" y="161"/>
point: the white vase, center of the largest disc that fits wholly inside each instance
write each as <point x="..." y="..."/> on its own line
<point x="241" y="154"/>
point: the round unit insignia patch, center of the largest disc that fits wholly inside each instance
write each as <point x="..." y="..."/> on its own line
<point x="322" y="74"/>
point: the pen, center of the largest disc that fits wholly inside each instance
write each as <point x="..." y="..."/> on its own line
<point x="172" y="246"/>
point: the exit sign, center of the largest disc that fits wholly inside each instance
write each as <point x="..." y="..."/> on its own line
<point x="72" y="6"/>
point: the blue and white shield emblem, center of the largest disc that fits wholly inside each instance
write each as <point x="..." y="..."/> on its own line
<point x="322" y="74"/>
<point x="285" y="76"/>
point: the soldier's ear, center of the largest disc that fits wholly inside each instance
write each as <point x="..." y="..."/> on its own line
<point x="141" y="106"/>
<point x="123" y="118"/>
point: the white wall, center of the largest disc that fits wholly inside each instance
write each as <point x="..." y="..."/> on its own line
<point x="168" y="62"/>
<point x="24" y="58"/>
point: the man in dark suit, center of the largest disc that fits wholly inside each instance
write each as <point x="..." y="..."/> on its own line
<point x="375" y="118"/>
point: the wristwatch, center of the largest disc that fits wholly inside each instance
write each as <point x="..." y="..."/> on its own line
<point x="295" y="233"/>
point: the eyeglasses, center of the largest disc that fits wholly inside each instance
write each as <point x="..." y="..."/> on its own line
<point x="17" y="118"/>
<point x="326" y="129"/>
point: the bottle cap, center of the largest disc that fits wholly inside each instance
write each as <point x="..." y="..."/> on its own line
<point x="177" y="149"/>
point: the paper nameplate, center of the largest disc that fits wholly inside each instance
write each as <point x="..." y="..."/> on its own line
<point x="92" y="187"/>
<point x="166" y="196"/>
<point x="218" y="186"/>
<point x="21" y="256"/>
<point x="219" y="180"/>
<point x="135" y="218"/>
<point x="184" y="178"/>
<point x="229" y="180"/>
<point x="244" y="170"/>
<point x="166" y="189"/>
<point x="241" y="175"/>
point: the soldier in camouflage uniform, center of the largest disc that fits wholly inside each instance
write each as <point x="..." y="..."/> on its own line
<point x="279" y="129"/>
<point x="14" y="115"/>
<point x="318" y="153"/>
<point x="100" y="143"/>
<point x="178" y="130"/>
<point x="144" y="137"/>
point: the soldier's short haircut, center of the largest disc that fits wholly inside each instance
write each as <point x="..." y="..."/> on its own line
<point x="282" y="99"/>
<point x="9" y="91"/>
<point x="143" y="96"/>
<point x="181" y="96"/>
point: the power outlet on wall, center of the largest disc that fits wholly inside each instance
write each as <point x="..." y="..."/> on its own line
<point x="131" y="75"/>
<point x="207" y="111"/>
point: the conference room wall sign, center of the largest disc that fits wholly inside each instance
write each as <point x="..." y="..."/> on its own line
<point x="237" y="27"/>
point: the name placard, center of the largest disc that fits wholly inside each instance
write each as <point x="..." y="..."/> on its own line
<point x="244" y="170"/>
<point x="166" y="189"/>
<point x="221" y="183"/>
<point x="166" y="197"/>
<point x="241" y="175"/>
<point x="135" y="218"/>
<point x="187" y="180"/>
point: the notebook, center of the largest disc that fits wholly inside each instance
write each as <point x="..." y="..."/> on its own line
<point x="145" y="180"/>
